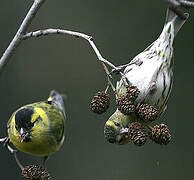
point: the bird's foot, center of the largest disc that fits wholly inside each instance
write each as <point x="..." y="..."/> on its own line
<point x="117" y="70"/>
<point x="6" y="144"/>
<point x="4" y="140"/>
<point x="120" y="69"/>
<point x="175" y="4"/>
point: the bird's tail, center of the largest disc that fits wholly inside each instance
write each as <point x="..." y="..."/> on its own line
<point x="175" y="20"/>
<point x="57" y="100"/>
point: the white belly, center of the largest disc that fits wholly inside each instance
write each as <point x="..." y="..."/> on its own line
<point x="154" y="87"/>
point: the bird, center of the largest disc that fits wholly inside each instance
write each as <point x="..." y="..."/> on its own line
<point x="151" y="71"/>
<point x="38" y="129"/>
<point x="115" y="129"/>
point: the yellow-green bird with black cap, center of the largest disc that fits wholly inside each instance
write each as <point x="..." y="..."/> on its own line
<point x="38" y="128"/>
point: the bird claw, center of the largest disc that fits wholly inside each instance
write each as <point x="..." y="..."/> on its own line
<point x="116" y="70"/>
<point x="180" y="3"/>
<point x="3" y="139"/>
<point x="119" y="69"/>
<point x="6" y="142"/>
<point x="175" y="4"/>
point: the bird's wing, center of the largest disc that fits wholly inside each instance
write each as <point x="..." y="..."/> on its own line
<point x="56" y="119"/>
<point x="57" y="100"/>
<point x="9" y="121"/>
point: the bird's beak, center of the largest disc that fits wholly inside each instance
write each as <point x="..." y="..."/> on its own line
<point x="124" y="132"/>
<point x="22" y="135"/>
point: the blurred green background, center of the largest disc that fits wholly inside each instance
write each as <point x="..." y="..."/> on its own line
<point x="121" y="29"/>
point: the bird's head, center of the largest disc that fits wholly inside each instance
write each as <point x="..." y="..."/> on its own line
<point x="25" y="120"/>
<point x="116" y="128"/>
<point x="115" y="132"/>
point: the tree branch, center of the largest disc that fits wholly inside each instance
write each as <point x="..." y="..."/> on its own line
<point x="22" y="35"/>
<point x="71" y="33"/>
<point x="52" y="31"/>
<point x="18" y="36"/>
<point x="175" y="4"/>
<point x="186" y="4"/>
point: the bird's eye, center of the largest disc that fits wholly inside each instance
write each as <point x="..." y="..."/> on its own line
<point x="117" y="124"/>
<point x="37" y="119"/>
<point x="49" y="102"/>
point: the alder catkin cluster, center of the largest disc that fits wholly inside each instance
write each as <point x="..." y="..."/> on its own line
<point x="139" y="130"/>
<point x="35" y="172"/>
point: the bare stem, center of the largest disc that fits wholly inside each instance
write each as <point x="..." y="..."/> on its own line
<point x="6" y="142"/>
<point x="18" y="36"/>
<point x="175" y="4"/>
<point x="90" y="40"/>
<point x="149" y="127"/>
<point x="111" y="84"/>
<point x="179" y="13"/>
<point x="107" y="87"/>
<point x="71" y="33"/>
<point x="186" y="4"/>
<point x="18" y="161"/>
<point x="3" y="139"/>
<point x="22" y="35"/>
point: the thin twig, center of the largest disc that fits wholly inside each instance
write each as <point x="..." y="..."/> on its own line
<point x="22" y="35"/>
<point x="107" y="87"/>
<point x="22" y="29"/>
<point x="6" y="142"/>
<point x="175" y="4"/>
<point x="52" y="31"/>
<point x="186" y="4"/>
<point x="18" y="161"/>
<point x="111" y="84"/>
<point x="149" y="127"/>
<point x="3" y="139"/>
<point x="179" y="13"/>
<point x="71" y="33"/>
